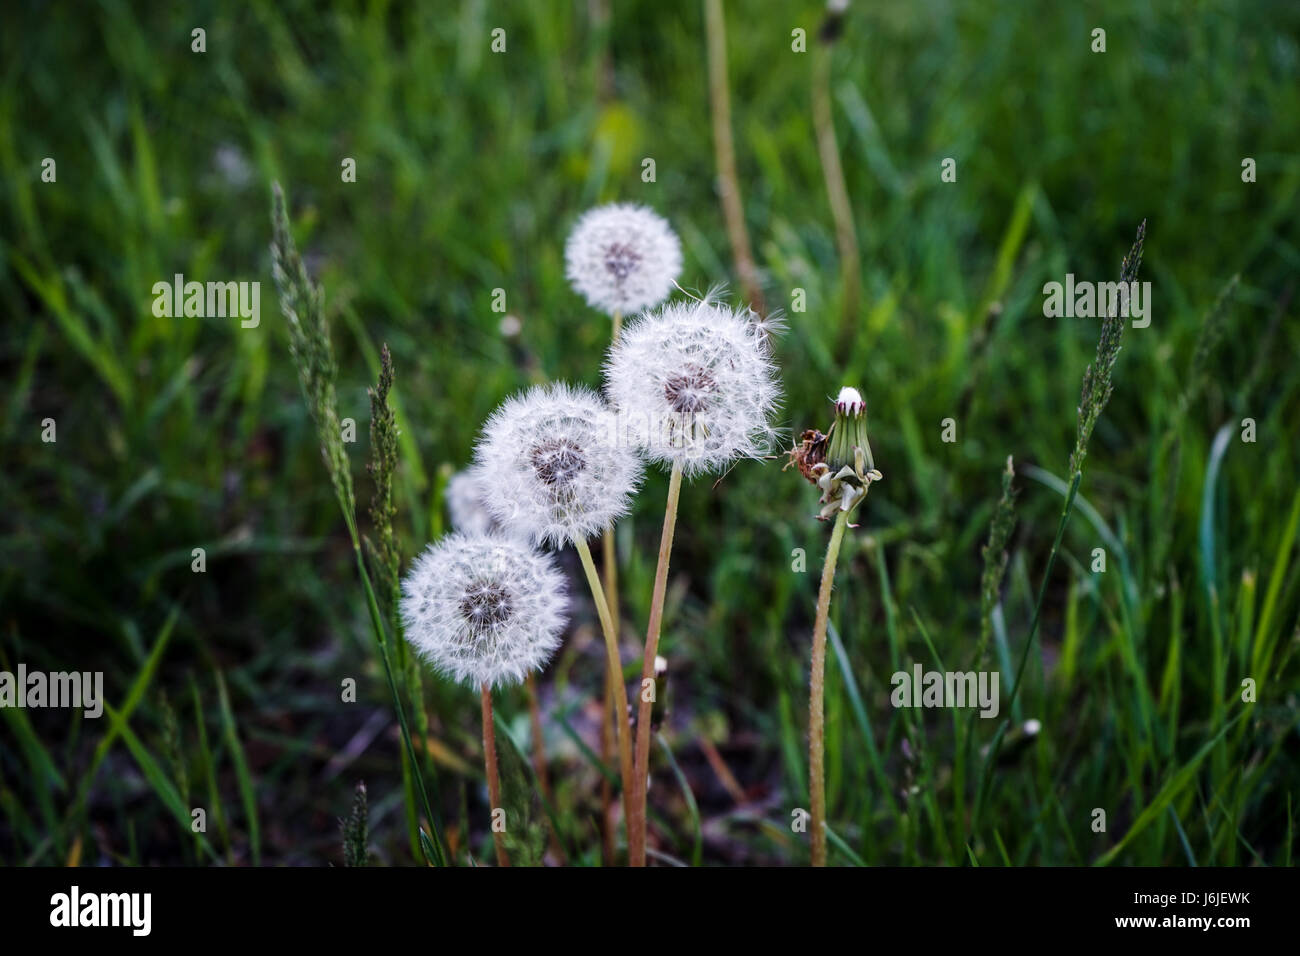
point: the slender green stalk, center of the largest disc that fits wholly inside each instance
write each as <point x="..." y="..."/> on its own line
<point x="733" y="209"/>
<point x="636" y="833"/>
<point x="1094" y="394"/>
<point x="995" y="747"/>
<point x="539" y="758"/>
<point x="837" y="192"/>
<point x="816" y="697"/>
<point x="377" y="624"/>
<point x="493" y="777"/>
<point x="615" y="668"/>
<point x="355" y="830"/>
<point x="303" y="304"/>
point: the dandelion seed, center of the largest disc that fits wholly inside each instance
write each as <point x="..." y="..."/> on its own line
<point x="694" y="384"/>
<point x="622" y="258"/>
<point x="550" y="466"/>
<point x="484" y="609"/>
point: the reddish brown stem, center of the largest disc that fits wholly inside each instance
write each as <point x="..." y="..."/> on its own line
<point x="636" y="829"/>
<point x="493" y="779"/>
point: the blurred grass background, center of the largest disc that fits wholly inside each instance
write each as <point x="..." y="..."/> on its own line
<point x="471" y="166"/>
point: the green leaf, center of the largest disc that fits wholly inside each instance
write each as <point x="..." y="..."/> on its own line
<point x="525" y="835"/>
<point x="246" y="795"/>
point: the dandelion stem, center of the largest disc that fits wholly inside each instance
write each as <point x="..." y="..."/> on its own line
<point x="493" y="778"/>
<point x="637" y="817"/>
<point x="611" y="594"/>
<point x="615" y="669"/>
<point x="606" y="791"/>
<point x="816" y="702"/>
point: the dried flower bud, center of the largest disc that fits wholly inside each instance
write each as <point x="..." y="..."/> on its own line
<point x="839" y="462"/>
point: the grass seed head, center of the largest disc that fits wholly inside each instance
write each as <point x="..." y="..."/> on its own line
<point x="1097" y="378"/>
<point x="303" y="304"/>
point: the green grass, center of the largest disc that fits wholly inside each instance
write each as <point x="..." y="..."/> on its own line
<point x="183" y="433"/>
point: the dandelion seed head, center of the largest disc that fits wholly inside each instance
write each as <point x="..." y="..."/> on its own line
<point x="694" y="382"/>
<point x="484" y="608"/>
<point x="464" y="497"/>
<point x="551" y="466"/>
<point x="622" y="258"/>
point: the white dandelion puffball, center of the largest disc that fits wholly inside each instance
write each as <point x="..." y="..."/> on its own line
<point x="622" y="258"/>
<point x="464" y="498"/>
<point x="551" y="465"/>
<point x="694" y="384"/>
<point x="484" y="609"/>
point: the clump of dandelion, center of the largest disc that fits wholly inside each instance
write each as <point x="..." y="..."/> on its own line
<point x="486" y="611"/>
<point x="622" y="258"/>
<point x="552" y="468"/>
<point x="695" y="387"/>
<point x="839" y="463"/>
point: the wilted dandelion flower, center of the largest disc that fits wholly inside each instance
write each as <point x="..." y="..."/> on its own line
<point x="464" y="498"/>
<point x="551" y="467"/>
<point x="484" y="609"/>
<point x="622" y="258"/>
<point x="695" y="385"/>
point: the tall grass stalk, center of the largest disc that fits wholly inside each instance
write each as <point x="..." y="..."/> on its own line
<point x="539" y="757"/>
<point x="837" y="192"/>
<point x="1095" y="393"/>
<point x="637" y="817"/>
<point x="303" y="305"/>
<point x="733" y="209"/>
